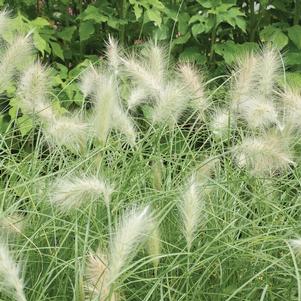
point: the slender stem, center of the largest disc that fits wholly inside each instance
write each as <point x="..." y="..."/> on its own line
<point x="252" y="28"/>
<point x="297" y="12"/>
<point x="213" y="38"/>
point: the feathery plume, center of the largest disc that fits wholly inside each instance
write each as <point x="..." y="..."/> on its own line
<point x="154" y="246"/>
<point x="264" y="155"/>
<point x="170" y="105"/>
<point x="258" y="112"/>
<point x="112" y="54"/>
<point x="69" y="132"/>
<point x="10" y="280"/>
<point x="88" y="81"/>
<point x="157" y="61"/>
<point x="72" y="192"/>
<point x="244" y="81"/>
<point x="11" y="224"/>
<point x="137" y="96"/>
<point x="291" y="108"/>
<point x="4" y="21"/>
<point x="143" y="76"/>
<point x="105" y="103"/>
<point x="269" y="67"/>
<point x="33" y="89"/>
<point x="221" y="123"/>
<point x="191" y="209"/>
<point x="15" y="58"/>
<point x="194" y="85"/>
<point x="96" y="275"/>
<point x="124" y="124"/>
<point x="296" y="245"/>
<point x="134" y="227"/>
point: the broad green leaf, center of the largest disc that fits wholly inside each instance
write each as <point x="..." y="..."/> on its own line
<point x="155" y="16"/>
<point x="193" y="54"/>
<point x="67" y="33"/>
<point x="294" y="34"/>
<point x="57" y="50"/>
<point x="231" y="51"/>
<point x="183" y="22"/>
<point x="274" y="35"/>
<point x="138" y="11"/>
<point x="209" y="3"/>
<point x="95" y="14"/>
<point x="182" y="39"/>
<point x="292" y="58"/>
<point x="39" y="42"/>
<point x="25" y="124"/>
<point x="39" y="22"/>
<point x="86" y="29"/>
<point x="197" y="29"/>
<point x="293" y="79"/>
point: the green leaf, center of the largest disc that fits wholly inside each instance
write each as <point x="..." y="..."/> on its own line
<point x="39" y="42"/>
<point x="14" y="108"/>
<point x="209" y="3"/>
<point x="86" y="29"/>
<point x="39" y="22"/>
<point x="155" y="16"/>
<point x="193" y="54"/>
<point x="182" y="39"/>
<point x="67" y="33"/>
<point x="138" y="11"/>
<point x="57" y="50"/>
<point x="274" y="35"/>
<point x="294" y="34"/>
<point x="203" y="25"/>
<point x="95" y="14"/>
<point x="197" y="29"/>
<point x="230" y="51"/>
<point x="292" y="58"/>
<point x="183" y="22"/>
<point x="25" y="124"/>
<point x="293" y="79"/>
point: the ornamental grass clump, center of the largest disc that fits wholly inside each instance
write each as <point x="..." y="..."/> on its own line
<point x="154" y="184"/>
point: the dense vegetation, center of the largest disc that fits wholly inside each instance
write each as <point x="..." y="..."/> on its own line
<point x="129" y="174"/>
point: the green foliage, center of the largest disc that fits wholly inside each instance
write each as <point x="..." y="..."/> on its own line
<point x="202" y="31"/>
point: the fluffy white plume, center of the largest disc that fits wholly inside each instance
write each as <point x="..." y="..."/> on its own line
<point x="258" y="112"/>
<point x="269" y="69"/>
<point x="11" y="224"/>
<point x="33" y="92"/>
<point x="88" y="81"/>
<point x="69" y="132"/>
<point x="123" y="123"/>
<point x="143" y="76"/>
<point x="10" y="279"/>
<point x="170" y="105"/>
<point x="108" y="112"/>
<point x="97" y="277"/>
<point x="154" y="246"/>
<point x="244" y="80"/>
<point x="194" y="85"/>
<point x="291" y="108"/>
<point x="137" y="96"/>
<point x="264" y="155"/>
<point x="296" y="245"/>
<point x="15" y="58"/>
<point x="157" y="61"/>
<point x="192" y="209"/>
<point x="133" y="228"/>
<point x="4" y="21"/>
<point x="113" y="54"/>
<point x="72" y="192"/>
<point x="221" y="123"/>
